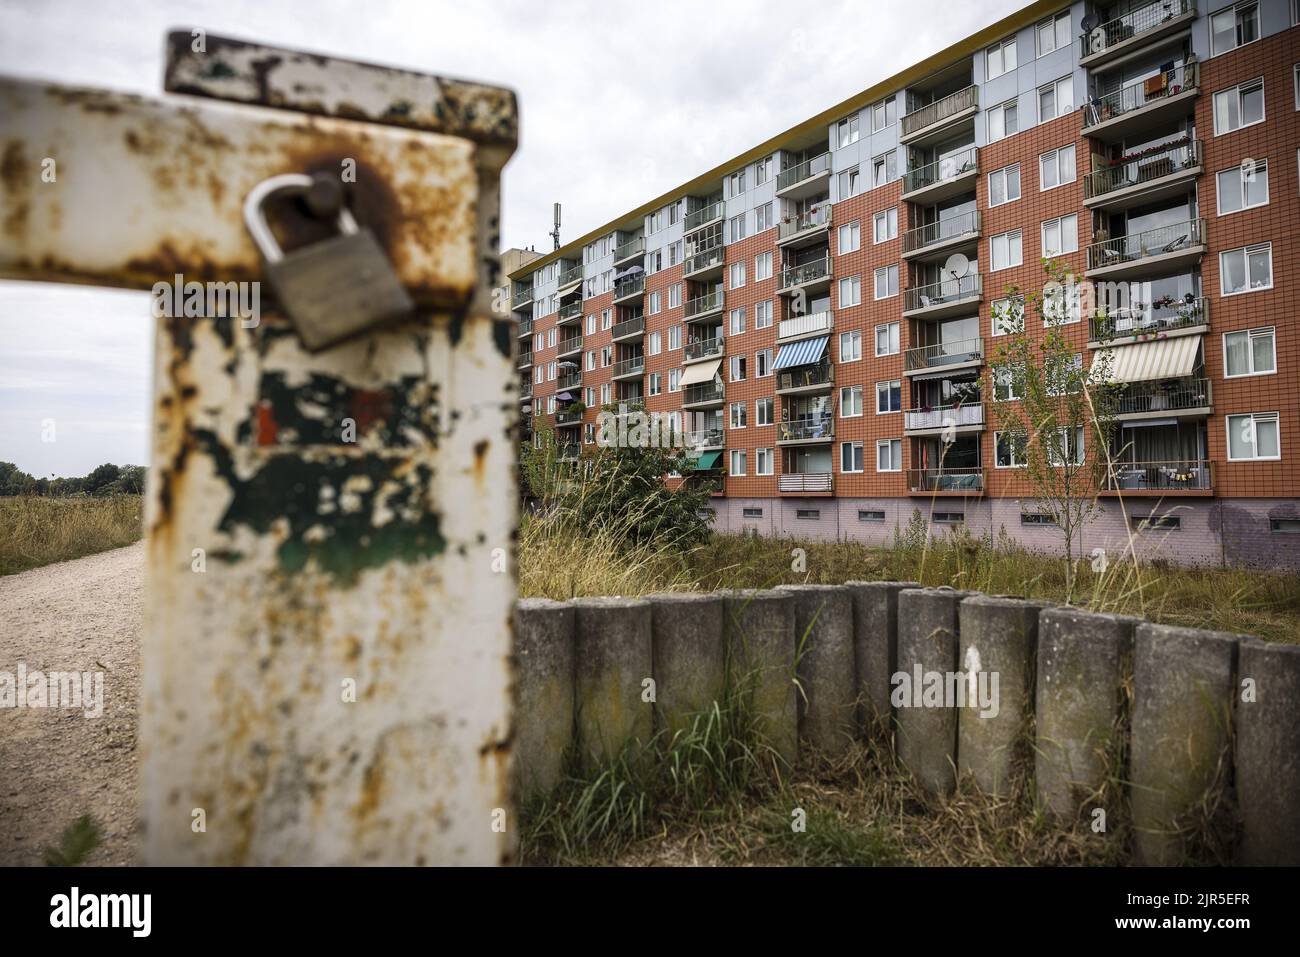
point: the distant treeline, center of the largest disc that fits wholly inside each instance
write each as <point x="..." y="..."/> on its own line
<point x="107" y="479"/>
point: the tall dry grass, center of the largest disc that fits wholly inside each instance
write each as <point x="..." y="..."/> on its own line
<point x="36" y="530"/>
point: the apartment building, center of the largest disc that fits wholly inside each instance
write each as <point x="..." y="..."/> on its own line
<point x="820" y="311"/>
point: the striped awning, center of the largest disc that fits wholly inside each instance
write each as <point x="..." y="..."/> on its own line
<point x="700" y="372"/>
<point x="1147" y="361"/>
<point x="802" y="353"/>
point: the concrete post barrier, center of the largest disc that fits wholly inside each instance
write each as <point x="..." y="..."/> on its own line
<point x="1268" y="753"/>
<point x="1083" y="661"/>
<point x="612" y="659"/>
<point x="689" y="656"/>
<point x="1182" y="726"/>
<point x="875" y="637"/>
<point x="543" y="693"/>
<point x="927" y="657"/>
<point x="761" y="647"/>
<point x="997" y="640"/>
<point x="823" y="635"/>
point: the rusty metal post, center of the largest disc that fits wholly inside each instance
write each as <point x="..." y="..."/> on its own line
<point x="327" y="657"/>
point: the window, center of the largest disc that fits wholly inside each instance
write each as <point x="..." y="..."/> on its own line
<point x="752" y="512"/>
<point x="1008" y="315"/>
<point x="1000" y="58"/>
<point x="1061" y="236"/>
<point x="1242" y="187"/>
<point x="736" y="227"/>
<point x="736" y="322"/>
<point x="550" y="372"/>
<point x="737" y="368"/>
<point x="737" y="275"/>
<point x="884" y="114"/>
<point x="655" y="344"/>
<point x="1234" y="27"/>
<point x="1054" y="34"/>
<point x="674" y="338"/>
<point x="1146" y="523"/>
<point x="1005" y="385"/>
<point x="850" y="401"/>
<point x="550" y="405"/>
<point x="1246" y="270"/>
<point x="655" y="382"/>
<point x="851" y="457"/>
<point x="1003" y="120"/>
<point x="884" y="168"/>
<point x="1287" y="525"/>
<point x="887" y="339"/>
<point x="1055" y="99"/>
<point x="850" y="291"/>
<point x="605" y="393"/>
<point x="763" y="314"/>
<point x="850" y="238"/>
<point x="846" y="131"/>
<point x="762" y="171"/>
<point x="808" y="513"/>
<point x="887" y="281"/>
<point x="889" y="396"/>
<point x="606" y="356"/>
<point x="606" y="318"/>
<point x="704" y="513"/>
<point x="849" y="183"/>
<point x="1250" y="352"/>
<point x="1036" y="518"/>
<point x="736" y="183"/>
<point x="654" y="304"/>
<point x="762" y="464"/>
<point x="763" y="411"/>
<point x="736" y="412"/>
<point x="539" y="342"/>
<point x="1005" y="250"/>
<point x="674" y="380"/>
<point x="1004" y="185"/>
<point x="762" y="266"/>
<point x="763" y="218"/>
<point x="1065" y="446"/>
<point x="1056" y="167"/>
<point x="762" y="363"/>
<point x="889" y="455"/>
<point x="948" y="518"/>
<point x="870" y="515"/>
<point x="1253" y="436"/>
<point x="540" y="375"/>
<point x="591" y="324"/>
<point x="1010" y="450"/>
<point x="1061" y="304"/>
<point x="884" y="225"/>
<point x="1061" y="373"/>
<point x="674" y="295"/>
<point x="737" y="461"/>
<point x="1238" y="106"/>
<point x="591" y="359"/>
<point x="850" y="346"/>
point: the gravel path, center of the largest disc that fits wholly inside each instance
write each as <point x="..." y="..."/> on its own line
<point x="57" y="764"/>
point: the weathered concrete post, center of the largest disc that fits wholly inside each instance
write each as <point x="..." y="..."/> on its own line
<point x="1182" y="731"/>
<point x="544" y="693"/>
<point x="823" y="630"/>
<point x="690" y="657"/>
<point x="927" y="662"/>
<point x="613" y="665"/>
<point x="875" y="640"/>
<point x="761" y="648"/>
<point x="1084" y="659"/>
<point x="1268" y="753"/>
<point x="998" y="638"/>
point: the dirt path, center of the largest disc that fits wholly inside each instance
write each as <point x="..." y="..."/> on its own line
<point x="56" y="765"/>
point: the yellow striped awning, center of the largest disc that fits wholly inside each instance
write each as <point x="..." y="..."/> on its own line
<point x="1146" y="361"/>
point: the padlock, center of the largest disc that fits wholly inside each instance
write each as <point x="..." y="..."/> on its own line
<point x="334" y="289"/>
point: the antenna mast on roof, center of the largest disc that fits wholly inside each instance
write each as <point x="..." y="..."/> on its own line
<point x="555" y="233"/>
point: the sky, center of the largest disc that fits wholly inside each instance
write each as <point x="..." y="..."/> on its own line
<point x="619" y="102"/>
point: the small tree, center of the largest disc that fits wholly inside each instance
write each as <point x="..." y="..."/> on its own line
<point x="1049" y="408"/>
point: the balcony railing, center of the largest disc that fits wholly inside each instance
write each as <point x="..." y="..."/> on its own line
<point x="1143" y="168"/>
<point x="706" y="259"/>
<point x="1137" y="95"/>
<point x="946" y="480"/>
<point x="806" y="170"/>
<point x="703" y="348"/>
<point x="703" y="305"/>
<point x="628" y="327"/>
<point x="950" y="167"/>
<point x="571" y="275"/>
<point x="629" y="287"/>
<point x="633" y="247"/>
<point x="813" y="427"/>
<point x="702" y="392"/>
<point x="944" y="354"/>
<point x="1132" y="24"/>
<point x="1169" y="395"/>
<point x="819" y="218"/>
<point x="945" y="416"/>
<point x="525" y="358"/>
<point x="525" y="327"/>
<point x="569" y="346"/>
<point x="633" y="366"/>
<point x="521" y="297"/>
<point x="1149" y="319"/>
<point x="963" y="224"/>
<point x="568" y="451"/>
<point x="805" y="482"/>
<point x="807" y="325"/>
<point x="572" y="310"/>
<point x="567" y="417"/>
<point x="1146" y="244"/>
<point x="1179" y="476"/>
<point x="944" y="292"/>
<point x="526" y="392"/>
<point x="705" y="214"/>
<point x="704" y="438"/>
<point x="940" y="110"/>
<point x="569" y="380"/>
<point x="806" y="377"/>
<point x="805" y="273"/>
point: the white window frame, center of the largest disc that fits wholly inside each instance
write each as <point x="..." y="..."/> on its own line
<point x="889" y="270"/>
<point x="1255" y="418"/>
<point x="1233" y="9"/>
<point x="854" y="394"/>
<point x="736" y="321"/>
<point x="763" y="266"/>
<point x="1018" y="325"/>
<point x="1245" y="253"/>
<point x="1069" y="237"/>
<point x="1064" y="82"/>
<point x="1251" y="335"/>
<point x="1056" y="22"/>
<point x="997" y="434"/>
<point x="761" y="456"/>
<point x="859" y="458"/>
<point x="1003" y="173"/>
<point x="1241" y="187"/>
<point x="737" y="456"/>
<point x="1000" y="109"/>
<point x="891" y="225"/>
<point x="1000" y="49"/>
<point x="733" y="272"/>
<point x="854" y="336"/>
<point x="763" y="316"/>
<point x="1263" y="105"/>
<point x="764" y="404"/>
<point x="737" y="411"/>
<point x="853" y="231"/>
<point x="847" y="131"/>
<point x="889" y="385"/>
<point x="763" y="361"/>
<point x="1020" y="261"/>
<point x="1065" y="173"/>
<point x="854" y="283"/>
<point x="893" y="338"/>
<point x="895" y="466"/>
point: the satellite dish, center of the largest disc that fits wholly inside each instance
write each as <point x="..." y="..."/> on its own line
<point x="1097" y="40"/>
<point x="956" y="265"/>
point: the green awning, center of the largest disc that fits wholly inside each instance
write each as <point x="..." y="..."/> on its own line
<point x="706" y="461"/>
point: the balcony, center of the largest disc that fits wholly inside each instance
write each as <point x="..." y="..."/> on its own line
<point x="1144" y="178"/>
<point x="934" y="120"/>
<point x="630" y="250"/>
<point x="566" y="418"/>
<point x="1135" y="324"/>
<point x="702" y="306"/>
<point x="967" y="417"/>
<point x="698" y="349"/>
<point x="800" y="327"/>
<point x="702" y="395"/>
<point x="943" y="237"/>
<point x="960" y="354"/>
<point x="571" y="312"/>
<point x="569" y="347"/>
<point x="704" y="216"/>
<point x="948" y="297"/>
<point x="1141" y="107"/>
<point x="810" y="277"/>
<point x="704" y="439"/>
<point x="1148" y="254"/>
<point x="628" y="329"/>
<point x="525" y="328"/>
<point x="525" y="359"/>
<point x="804" y="229"/>
<point x="818" y="378"/>
<point x="1165" y="479"/>
<point x="629" y="288"/>
<point x="809" y="178"/>
<point x="521" y="298"/>
<point x="526" y="392"/>
<point x="1119" y="39"/>
<point x="806" y="483"/>
<point x="629" y="368"/>
<point x="942" y="179"/>
<point x="569" y="380"/>
<point x="568" y="451"/>
<point x="570" y="277"/>
<point x="1185" y="398"/>
<point x="946" y="482"/>
<point x="807" y="431"/>
<point x="706" y="264"/>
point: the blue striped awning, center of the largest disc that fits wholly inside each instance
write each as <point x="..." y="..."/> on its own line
<point x="802" y="353"/>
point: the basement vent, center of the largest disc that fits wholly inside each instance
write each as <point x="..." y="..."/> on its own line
<point x="813" y="513"/>
<point x="1149" y="522"/>
<point x="948" y="518"/>
<point x="870" y="515"/>
<point x="752" y="512"/>
<point x="1036" y="518"/>
<point x="1288" y="525"/>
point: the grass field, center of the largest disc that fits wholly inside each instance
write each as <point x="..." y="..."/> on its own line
<point x="37" y="530"/>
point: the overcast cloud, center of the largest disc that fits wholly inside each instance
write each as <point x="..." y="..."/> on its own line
<point x="619" y="103"/>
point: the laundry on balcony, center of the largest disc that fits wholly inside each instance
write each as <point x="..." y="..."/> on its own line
<point x="801" y="353"/>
